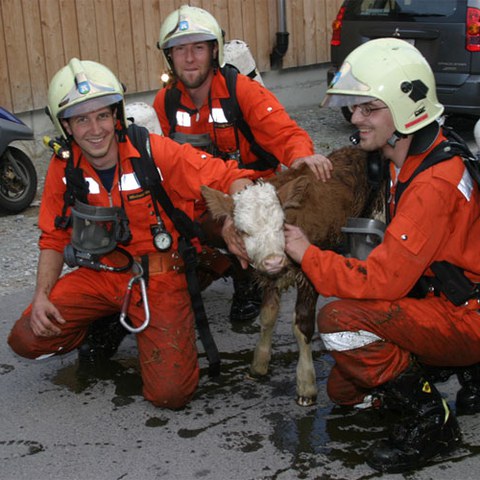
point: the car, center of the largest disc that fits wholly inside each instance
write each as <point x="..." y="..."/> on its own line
<point x="447" y="33"/>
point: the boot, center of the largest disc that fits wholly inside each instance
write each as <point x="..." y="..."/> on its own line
<point x="468" y="397"/>
<point x="247" y="297"/>
<point x="103" y="338"/>
<point x="439" y="374"/>
<point x="427" y="428"/>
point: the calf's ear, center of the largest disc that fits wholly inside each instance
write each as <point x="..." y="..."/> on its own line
<point x="219" y="204"/>
<point x="291" y="194"/>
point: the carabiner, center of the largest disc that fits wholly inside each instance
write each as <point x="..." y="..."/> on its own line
<point x="126" y="302"/>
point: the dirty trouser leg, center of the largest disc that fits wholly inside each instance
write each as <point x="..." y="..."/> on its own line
<point x="372" y="341"/>
<point x="167" y="347"/>
<point x="81" y="297"/>
<point x="343" y="389"/>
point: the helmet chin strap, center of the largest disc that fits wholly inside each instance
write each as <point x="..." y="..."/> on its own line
<point x="396" y="136"/>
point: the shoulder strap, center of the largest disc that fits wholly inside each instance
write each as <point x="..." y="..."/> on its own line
<point x="149" y="179"/>
<point x="172" y="102"/>
<point x="452" y="147"/>
<point x="234" y="115"/>
<point x="76" y="186"/>
<point x="230" y="105"/>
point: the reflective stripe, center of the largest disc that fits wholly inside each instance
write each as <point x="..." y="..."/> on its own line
<point x="48" y="355"/>
<point x="341" y="341"/>
<point x="218" y="116"/>
<point x="183" y="119"/>
<point x="129" y="182"/>
<point x="93" y="186"/>
<point x="466" y="185"/>
<point x="45" y="356"/>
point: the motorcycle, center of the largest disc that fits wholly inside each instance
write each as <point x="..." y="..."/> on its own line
<point x="18" y="177"/>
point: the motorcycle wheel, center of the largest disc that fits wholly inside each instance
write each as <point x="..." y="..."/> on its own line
<point x="15" y="196"/>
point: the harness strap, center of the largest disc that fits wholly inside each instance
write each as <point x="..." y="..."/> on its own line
<point x="189" y="255"/>
<point x="77" y="188"/>
<point x="149" y="178"/>
<point x="265" y="160"/>
<point x="448" y="278"/>
<point x="234" y="115"/>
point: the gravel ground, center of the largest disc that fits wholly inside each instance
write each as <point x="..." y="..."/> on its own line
<point x="19" y="233"/>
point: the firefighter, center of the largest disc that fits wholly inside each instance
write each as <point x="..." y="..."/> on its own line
<point x="118" y="236"/>
<point x="194" y="108"/>
<point x="382" y="330"/>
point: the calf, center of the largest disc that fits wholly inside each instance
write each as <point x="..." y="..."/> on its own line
<point x="321" y="209"/>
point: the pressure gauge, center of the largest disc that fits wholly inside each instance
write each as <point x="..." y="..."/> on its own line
<point x="162" y="240"/>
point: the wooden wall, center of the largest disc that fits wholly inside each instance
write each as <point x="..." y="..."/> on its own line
<point x="38" y="37"/>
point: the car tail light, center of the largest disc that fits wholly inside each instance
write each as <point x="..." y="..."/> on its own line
<point x="473" y="30"/>
<point x="337" y="27"/>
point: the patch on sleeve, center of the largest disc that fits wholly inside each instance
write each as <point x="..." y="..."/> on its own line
<point x="408" y="233"/>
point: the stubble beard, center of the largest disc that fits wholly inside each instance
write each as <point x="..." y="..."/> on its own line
<point x="196" y="82"/>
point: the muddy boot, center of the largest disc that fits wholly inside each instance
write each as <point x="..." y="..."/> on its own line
<point x="468" y="397"/>
<point x="102" y="340"/>
<point x="247" y="297"/>
<point x="426" y="429"/>
<point x="439" y="374"/>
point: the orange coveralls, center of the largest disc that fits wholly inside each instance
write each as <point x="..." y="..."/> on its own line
<point x="272" y="127"/>
<point x="167" y="347"/>
<point x="373" y="331"/>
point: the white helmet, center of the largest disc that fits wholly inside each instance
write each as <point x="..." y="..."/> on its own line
<point x="83" y="86"/>
<point x="189" y="25"/>
<point x="393" y="71"/>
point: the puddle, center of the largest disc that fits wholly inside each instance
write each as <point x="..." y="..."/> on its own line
<point x="123" y="374"/>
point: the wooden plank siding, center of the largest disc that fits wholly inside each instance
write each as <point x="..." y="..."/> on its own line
<point x="38" y="37"/>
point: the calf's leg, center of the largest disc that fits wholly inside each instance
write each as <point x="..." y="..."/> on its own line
<point x="303" y="328"/>
<point x="268" y="319"/>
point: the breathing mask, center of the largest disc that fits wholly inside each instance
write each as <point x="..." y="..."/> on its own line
<point x="363" y="235"/>
<point x="96" y="232"/>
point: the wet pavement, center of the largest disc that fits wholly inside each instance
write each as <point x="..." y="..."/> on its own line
<point x="62" y="422"/>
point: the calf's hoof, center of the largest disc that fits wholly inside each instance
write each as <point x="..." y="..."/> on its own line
<point x="306" y="401"/>
<point x="258" y="370"/>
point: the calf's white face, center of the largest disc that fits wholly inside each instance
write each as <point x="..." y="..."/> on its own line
<point x="258" y="215"/>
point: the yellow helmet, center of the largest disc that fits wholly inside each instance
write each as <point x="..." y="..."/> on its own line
<point x="189" y="25"/>
<point x="83" y="86"/>
<point x="393" y="71"/>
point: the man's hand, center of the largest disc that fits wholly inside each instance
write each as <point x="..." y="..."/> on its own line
<point x="321" y="166"/>
<point x="296" y="242"/>
<point x="45" y="317"/>
<point x="234" y="242"/>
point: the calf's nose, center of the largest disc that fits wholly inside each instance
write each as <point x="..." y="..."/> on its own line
<point x="274" y="264"/>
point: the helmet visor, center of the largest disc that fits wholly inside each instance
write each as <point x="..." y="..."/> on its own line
<point x="180" y="39"/>
<point x="90" y="105"/>
<point x="346" y="89"/>
<point x="345" y="100"/>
